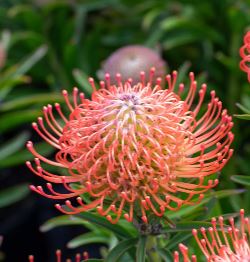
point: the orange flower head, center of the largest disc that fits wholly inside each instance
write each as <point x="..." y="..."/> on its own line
<point x="245" y="55"/>
<point x="222" y="243"/>
<point x="137" y="148"/>
<point x="78" y="257"/>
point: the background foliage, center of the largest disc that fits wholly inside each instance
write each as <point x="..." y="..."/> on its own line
<point x="52" y="45"/>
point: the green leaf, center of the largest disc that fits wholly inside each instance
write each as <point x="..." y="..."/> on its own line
<point x="22" y="68"/>
<point x="243" y="116"/>
<point x="64" y="220"/>
<point x="9" y="83"/>
<point x="191" y="27"/>
<point x="118" y="230"/>
<point x="17" y="118"/>
<point x="177" y="239"/>
<point x="24" y="155"/>
<point x="120" y="249"/>
<point x="179" y="40"/>
<point x="141" y="249"/>
<point x="31" y="100"/>
<point x="5" y="39"/>
<point x="243" y="180"/>
<point x="17" y="37"/>
<point x="183" y="72"/>
<point x="87" y="238"/>
<point x="187" y="226"/>
<point x="92" y="5"/>
<point x="13" y="145"/>
<point x="82" y="79"/>
<point x="243" y="108"/>
<point x="174" y="22"/>
<point x="165" y="254"/>
<point x="150" y="17"/>
<point x="186" y="210"/>
<point x="13" y="194"/>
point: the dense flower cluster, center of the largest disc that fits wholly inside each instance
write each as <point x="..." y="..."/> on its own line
<point x="245" y="55"/>
<point x="78" y="258"/>
<point x="137" y="148"/>
<point x="221" y="243"/>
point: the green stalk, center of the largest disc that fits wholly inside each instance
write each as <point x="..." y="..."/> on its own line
<point x="153" y="255"/>
<point x="141" y="248"/>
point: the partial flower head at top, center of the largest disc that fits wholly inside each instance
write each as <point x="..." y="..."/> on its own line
<point x="245" y="55"/>
<point x="134" y="149"/>
<point x="221" y="243"/>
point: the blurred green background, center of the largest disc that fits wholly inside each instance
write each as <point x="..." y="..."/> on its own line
<point x="47" y="46"/>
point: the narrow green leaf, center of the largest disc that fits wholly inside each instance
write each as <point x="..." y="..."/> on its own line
<point x="243" y="108"/>
<point x="141" y="249"/>
<point x="80" y="20"/>
<point x="118" y="230"/>
<point x="5" y="39"/>
<point x="31" y="100"/>
<point x="243" y="116"/>
<point x="13" y="194"/>
<point x="187" y="226"/>
<point x="25" y="36"/>
<point x="165" y="254"/>
<point x="186" y="210"/>
<point x="177" y="239"/>
<point x="16" y="71"/>
<point x="183" y="72"/>
<point x="17" y="118"/>
<point x="64" y="220"/>
<point x="179" y="40"/>
<point x="24" y="155"/>
<point x="173" y="22"/>
<point x="192" y="28"/>
<point x="150" y="17"/>
<point x="92" y="5"/>
<point x="13" y="145"/>
<point x="30" y="61"/>
<point x="9" y="83"/>
<point x="82" y="79"/>
<point x="87" y="238"/>
<point x="120" y="249"/>
<point x="243" y="180"/>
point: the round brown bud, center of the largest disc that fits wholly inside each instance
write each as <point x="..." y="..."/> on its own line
<point x="129" y="61"/>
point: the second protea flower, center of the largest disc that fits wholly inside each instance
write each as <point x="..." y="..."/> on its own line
<point x="245" y="55"/>
<point x="134" y="149"/>
<point x="220" y="242"/>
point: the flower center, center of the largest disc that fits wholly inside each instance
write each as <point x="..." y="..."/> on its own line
<point x="128" y="138"/>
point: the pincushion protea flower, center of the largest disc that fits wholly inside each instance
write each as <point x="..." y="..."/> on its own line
<point x="245" y="55"/>
<point x="79" y="257"/>
<point x="134" y="148"/>
<point x="222" y="243"/>
<point x="130" y="60"/>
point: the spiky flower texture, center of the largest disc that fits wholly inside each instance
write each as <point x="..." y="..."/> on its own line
<point x="134" y="149"/>
<point x="245" y="55"/>
<point x="221" y="243"/>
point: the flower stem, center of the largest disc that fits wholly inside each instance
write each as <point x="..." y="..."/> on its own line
<point x="151" y="249"/>
<point x="141" y="249"/>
